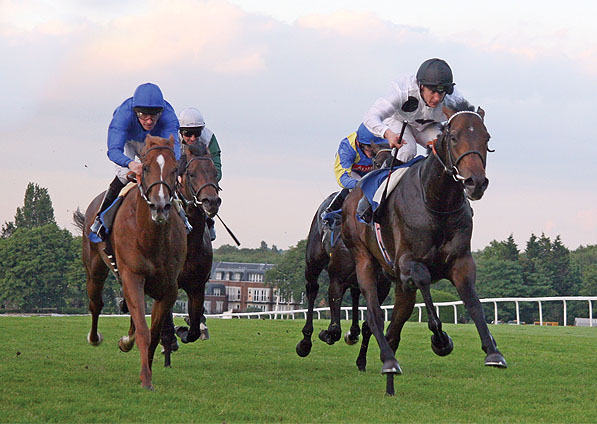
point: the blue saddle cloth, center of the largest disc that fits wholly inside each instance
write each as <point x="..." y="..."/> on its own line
<point x="107" y="219"/>
<point x="371" y="182"/>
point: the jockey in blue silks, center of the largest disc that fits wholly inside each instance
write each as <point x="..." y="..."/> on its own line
<point x="145" y="113"/>
<point x="353" y="161"/>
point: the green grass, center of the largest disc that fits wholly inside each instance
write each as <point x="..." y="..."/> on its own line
<point x="249" y="372"/>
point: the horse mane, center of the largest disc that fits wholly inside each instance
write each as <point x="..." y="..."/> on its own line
<point x="198" y="149"/>
<point x="460" y="105"/>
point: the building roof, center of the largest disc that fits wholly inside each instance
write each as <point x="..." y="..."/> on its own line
<point x="244" y="268"/>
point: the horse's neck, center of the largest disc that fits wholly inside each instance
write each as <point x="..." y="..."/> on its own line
<point x="440" y="191"/>
<point x="197" y="218"/>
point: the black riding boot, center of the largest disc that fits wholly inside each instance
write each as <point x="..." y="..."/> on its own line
<point x="364" y="210"/>
<point x="115" y="186"/>
<point x="336" y="204"/>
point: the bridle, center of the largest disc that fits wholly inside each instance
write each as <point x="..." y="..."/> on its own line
<point x="141" y="181"/>
<point x="452" y="167"/>
<point x="384" y="163"/>
<point x="191" y="188"/>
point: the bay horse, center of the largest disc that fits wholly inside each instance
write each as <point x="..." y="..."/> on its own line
<point x="149" y="245"/>
<point x="426" y="227"/>
<point x="338" y="262"/>
<point x="198" y="189"/>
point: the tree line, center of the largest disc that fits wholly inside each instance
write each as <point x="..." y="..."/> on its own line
<point x="41" y="269"/>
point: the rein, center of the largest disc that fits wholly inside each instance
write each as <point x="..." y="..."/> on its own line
<point x="141" y="181"/>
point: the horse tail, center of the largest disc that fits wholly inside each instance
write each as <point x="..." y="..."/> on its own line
<point x="79" y="220"/>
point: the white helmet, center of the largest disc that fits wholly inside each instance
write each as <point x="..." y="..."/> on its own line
<point x="191" y="118"/>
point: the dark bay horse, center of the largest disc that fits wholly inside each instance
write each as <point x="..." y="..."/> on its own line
<point x="150" y="245"/>
<point x="426" y="227"/>
<point x="339" y="263"/>
<point x="198" y="190"/>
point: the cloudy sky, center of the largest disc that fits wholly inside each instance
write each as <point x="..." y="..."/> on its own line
<point x="282" y="82"/>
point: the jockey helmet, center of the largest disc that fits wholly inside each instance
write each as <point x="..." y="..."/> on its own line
<point x="148" y="98"/>
<point x="436" y="74"/>
<point x="364" y="136"/>
<point x="191" y="118"/>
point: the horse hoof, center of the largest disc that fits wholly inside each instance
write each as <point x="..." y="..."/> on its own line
<point x="362" y="364"/>
<point x="100" y="339"/>
<point x="390" y="385"/>
<point x="325" y="337"/>
<point x="150" y="388"/>
<point x="349" y="340"/>
<point x="204" y="332"/>
<point x="391" y="366"/>
<point x="303" y="348"/>
<point x="443" y="345"/>
<point x="126" y="343"/>
<point x="182" y="332"/>
<point x="495" y="360"/>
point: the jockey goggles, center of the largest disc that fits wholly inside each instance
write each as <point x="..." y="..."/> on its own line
<point x="145" y="116"/>
<point x="189" y="132"/>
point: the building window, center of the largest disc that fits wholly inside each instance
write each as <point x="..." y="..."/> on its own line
<point x="219" y="275"/>
<point x="233" y="294"/>
<point x="257" y="278"/>
<point x="219" y="307"/>
<point x="217" y="291"/>
<point x="259" y="295"/>
<point x="207" y="306"/>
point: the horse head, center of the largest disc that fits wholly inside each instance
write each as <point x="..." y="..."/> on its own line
<point x="158" y="178"/>
<point x="199" y="179"/>
<point x="464" y="143"/>
<point x="382" y="155"/>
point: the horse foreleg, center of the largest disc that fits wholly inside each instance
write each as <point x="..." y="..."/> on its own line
<point x="416" y="273"/>
<point x="463" y="278"/>
<point x="303" y="348"/>
<point x="352" y="336"/>
<point x="362" y="358"/>
<point x="132" y="286"/>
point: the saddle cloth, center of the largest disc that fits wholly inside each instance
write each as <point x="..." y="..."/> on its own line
<point x="107" y="216"/>
<point x="374" y="183"/>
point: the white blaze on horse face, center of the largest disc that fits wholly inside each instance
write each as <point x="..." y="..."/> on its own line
<point x="471" y="129"/>
<point x="161" y="161"/>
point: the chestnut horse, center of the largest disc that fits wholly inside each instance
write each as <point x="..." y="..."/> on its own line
<point x="339" y="263"/>
<point x="149" y="244"/>
<point x="426" y="227"/>
<point x="198" y="190"/>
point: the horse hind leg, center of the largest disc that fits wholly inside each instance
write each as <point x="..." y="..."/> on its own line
<point x="362" y="358"/>
<point x="96" y="272"/>
<point x="168" y="339"/>
<point x="126" y="343"/>
<point x="352" y="336"/>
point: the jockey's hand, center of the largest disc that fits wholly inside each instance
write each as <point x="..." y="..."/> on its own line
<point x="393" y="139"/>
<point x="136" y="167"/>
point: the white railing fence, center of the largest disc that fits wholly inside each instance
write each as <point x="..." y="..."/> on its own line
<point x="420" y="306"/>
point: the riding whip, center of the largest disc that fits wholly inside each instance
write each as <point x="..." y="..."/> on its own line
<point x="385" y="191"/>
<point x="229" y="232"/>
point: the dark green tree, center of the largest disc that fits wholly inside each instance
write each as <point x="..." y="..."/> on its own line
<point x="36" y="211"/>
<point x="33" y="264"/>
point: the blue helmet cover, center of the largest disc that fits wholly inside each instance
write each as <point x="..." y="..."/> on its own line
<point x="148" y="95"/>
<point x="364" y="136"/>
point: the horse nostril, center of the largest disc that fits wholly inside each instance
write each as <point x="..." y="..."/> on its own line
<point x="167" y="207"/>
<point x="469" y="182"/>
<point x="219" y="202"/>
<point x="485" y="183"/>
<point x="152" y="207"/>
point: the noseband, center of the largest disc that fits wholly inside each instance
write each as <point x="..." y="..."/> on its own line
<point x="452" y="169"/>
<point x="196" y="202"/>
<point x="141" y="183"/>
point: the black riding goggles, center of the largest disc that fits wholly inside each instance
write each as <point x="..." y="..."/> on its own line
<point x="191" y="132"/>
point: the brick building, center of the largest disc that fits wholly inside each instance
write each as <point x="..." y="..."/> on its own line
<point x="236" y="286"/>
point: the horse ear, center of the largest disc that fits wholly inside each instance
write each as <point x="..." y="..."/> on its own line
<point x="375" y="147"/>
<point x="481" y="112"/>
<point x="448" y="112"/>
